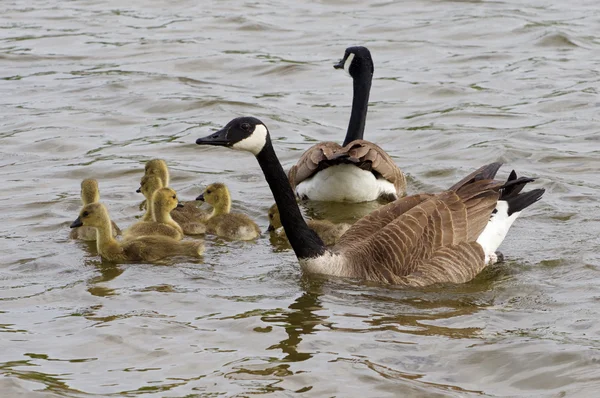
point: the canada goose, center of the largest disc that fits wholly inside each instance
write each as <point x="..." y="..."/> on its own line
<point x="189" y="216"/>
<point x="417" y="240"/>
<point x="358" y="170"/>
<point x="327" y="231"/>
<point x="163" y="201"/>
<point x="223" y="223"/>
<point x="90" y="194"/>
<point x="144" y="248"/>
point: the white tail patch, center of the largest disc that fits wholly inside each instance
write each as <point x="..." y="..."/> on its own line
<point x="496" y="230"/>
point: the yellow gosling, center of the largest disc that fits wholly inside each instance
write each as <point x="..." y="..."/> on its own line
<point x="329" y="232"/>
<point x="163" y="201"/>
<point x="223" y="223"/>
<point x="189" y="217"/>
<point x="158" y="167"/>
<point x="144" y="248"/>
<point x="90" y="194"/>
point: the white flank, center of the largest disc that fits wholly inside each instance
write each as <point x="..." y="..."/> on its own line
<point x="255" y="142"/>
<point x="344" y="183"/>
<point x="328" y="264"/>
<point x="348" y="63"/>
<point x="496" y="230"/>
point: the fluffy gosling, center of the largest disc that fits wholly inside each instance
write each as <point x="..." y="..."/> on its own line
<point x="144" y="248"/>
<point x="223" y="223"/>
<point x="329" y="232"/>
<point x="163" y="201"/>
<point x="90" y="194"/>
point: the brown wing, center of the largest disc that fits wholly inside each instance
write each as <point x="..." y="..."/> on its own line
<point x="377" y="219"/>
<point x="311" y="161"/>
<point x="366" y="152"/>
<point x="428" y="242"/>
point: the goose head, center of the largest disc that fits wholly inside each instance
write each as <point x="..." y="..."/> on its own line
<point x="242" y="133"/>
<point x="165" y="198"/>
<point x="357" y="62"/>
<point x="89" y="191"/>
<point x="92" y="215"/>
<point x="217" y="195"/>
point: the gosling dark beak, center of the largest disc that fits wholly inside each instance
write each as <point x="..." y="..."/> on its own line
<point x="218" y="139"/>
<point x="200" y="197"/>
<point x="76" y="223"/>
<point x="270" y="229"/>
<point x="339" y="65"/>
<point x="179" y="204"/>
<point x="139" y="190"/>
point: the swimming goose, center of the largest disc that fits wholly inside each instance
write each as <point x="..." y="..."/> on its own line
<point x="144" y="248"/>
<point x="358" y="170"/>
<point x="223" y="223"/>
<point x="415" y="241"/>
<point x="327" y="231"/>
<point x="163" y="201"/>
<point x="189" y="216"/>
<point x="90" y="194"/>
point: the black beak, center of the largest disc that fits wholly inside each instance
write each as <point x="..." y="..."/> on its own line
<point x="139" y="190"/>
<point x="339" y="65"/>
<point x="179" y="204"/>
<point x="76" y="223"/>
<point x="270" y="229"/>
<point x="200" y="197"/>
<point x="218" y="139"/>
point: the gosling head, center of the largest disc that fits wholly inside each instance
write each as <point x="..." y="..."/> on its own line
<point x="157" y="167"/>
<point x="274" y="218"/>
<point x="165" y="198"/>
<point x="243" y="133"/>
<point x="150" y="184"/>
<point x="89" y="191"/>
<point x="92" y="215"/>
<point x="217" y="195"/>
<point x="357" y="62"/>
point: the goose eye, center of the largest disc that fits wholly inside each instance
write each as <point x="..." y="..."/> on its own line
<point x="245" y="126"/>
<point x="208" y="191"/>
<point x="270" y="215"/>
<point x="174" y="197"/>
<point x="85" y="214"/>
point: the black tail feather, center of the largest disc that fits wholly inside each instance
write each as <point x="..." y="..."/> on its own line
<point x="518" y="202"/>
<point x="513" y="186"/>
<point x="487" y="172"/>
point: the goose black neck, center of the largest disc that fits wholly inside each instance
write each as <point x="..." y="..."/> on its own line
<point x="360" y="105"/>
<point x="305" y="242"/>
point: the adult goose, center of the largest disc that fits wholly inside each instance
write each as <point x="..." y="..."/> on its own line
<point x="358" y="170"/>
<point x="416" y="241"/>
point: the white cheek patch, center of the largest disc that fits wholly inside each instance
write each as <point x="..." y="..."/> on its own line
<point x="255" y="142"/>
<point x="348" y="63"/>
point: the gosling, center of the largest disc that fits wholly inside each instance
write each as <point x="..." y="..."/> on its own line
<point x="163" y="201"/>
<point x="90" y="194"/>
<point x="329" y="232"/>
<point x="223" y="223"/>
<point x="190" y="220"/>
<point x="144" y="248"/>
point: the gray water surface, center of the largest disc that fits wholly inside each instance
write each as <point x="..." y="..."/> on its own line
<point x="93" y="89"/>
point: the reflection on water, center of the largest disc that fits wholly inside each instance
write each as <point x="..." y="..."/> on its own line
<point x="94" y="89"/>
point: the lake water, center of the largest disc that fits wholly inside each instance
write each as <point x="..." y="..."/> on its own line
<point x="93" y="89"/>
